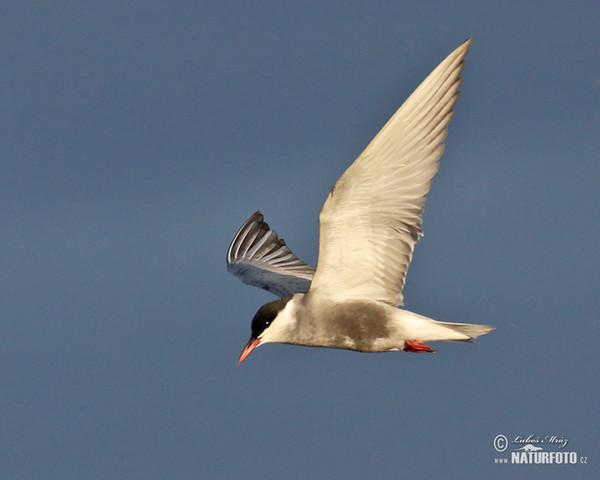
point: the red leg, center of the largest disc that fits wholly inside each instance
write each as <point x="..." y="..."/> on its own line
<point x="417" y="347"/>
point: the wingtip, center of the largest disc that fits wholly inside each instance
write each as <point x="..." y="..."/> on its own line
<point x="463" y="48"/>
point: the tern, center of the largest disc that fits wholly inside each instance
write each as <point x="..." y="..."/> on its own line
<point x="369" y="225"/>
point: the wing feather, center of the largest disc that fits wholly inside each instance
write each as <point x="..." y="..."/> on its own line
<point x="261" y="259"/>
<point x="371" y="219"/>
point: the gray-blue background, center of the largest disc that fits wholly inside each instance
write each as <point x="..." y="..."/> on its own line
<point x="137" y="136"/>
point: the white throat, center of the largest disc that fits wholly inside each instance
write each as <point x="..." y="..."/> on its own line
<point x="285" y="323"/>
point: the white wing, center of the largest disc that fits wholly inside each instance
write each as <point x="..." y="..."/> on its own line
<point x="262" y="259"/>
<point x="371" y="219"/>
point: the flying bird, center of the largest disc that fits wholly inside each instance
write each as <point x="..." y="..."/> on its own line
<point x="369" y="225"/>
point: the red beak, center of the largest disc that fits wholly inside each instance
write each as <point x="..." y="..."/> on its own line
<point x="251" y="345"/>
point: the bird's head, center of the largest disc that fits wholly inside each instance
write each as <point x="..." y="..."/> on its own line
<point x="267" y="325"/>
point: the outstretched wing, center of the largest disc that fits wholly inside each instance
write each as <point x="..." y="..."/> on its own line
<point x="371" y="219"/>
<point x="262" y="259"/>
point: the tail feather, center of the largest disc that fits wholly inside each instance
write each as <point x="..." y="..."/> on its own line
<point x="424" y="329"/>
<point x="468" y="329"/>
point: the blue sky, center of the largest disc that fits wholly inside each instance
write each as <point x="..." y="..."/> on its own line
<point x="136" y="137"/>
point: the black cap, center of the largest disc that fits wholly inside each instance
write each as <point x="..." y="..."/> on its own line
<point x="266" y="314"/>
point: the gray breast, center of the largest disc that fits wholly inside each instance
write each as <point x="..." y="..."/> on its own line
<point x="354" y="325"/>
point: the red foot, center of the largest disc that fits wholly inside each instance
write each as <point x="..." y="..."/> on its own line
<point x="416" y="347"/>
